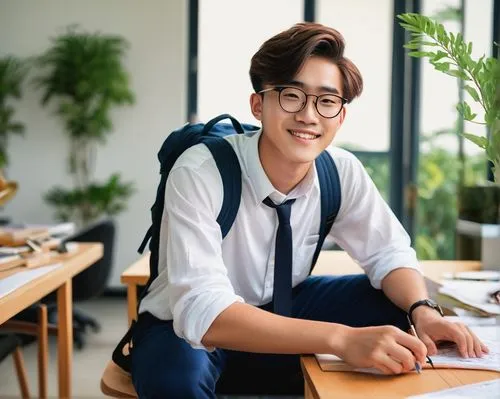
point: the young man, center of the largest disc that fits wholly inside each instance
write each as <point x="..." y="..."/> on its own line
<point x="212" y="302"/>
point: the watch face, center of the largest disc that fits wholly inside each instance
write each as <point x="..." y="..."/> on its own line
<point x="431" y="303"/>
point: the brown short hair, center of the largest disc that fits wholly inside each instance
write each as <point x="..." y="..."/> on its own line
<point x="281" y="57"/>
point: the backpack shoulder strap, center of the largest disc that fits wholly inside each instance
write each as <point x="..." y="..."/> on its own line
<point x="329" y="183"/>
<point x="230" y="171"/>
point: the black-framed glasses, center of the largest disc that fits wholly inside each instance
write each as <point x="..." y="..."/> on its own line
<point x="293" y="100"/>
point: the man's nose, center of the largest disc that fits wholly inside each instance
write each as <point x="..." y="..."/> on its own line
<point x="309" y="114"/>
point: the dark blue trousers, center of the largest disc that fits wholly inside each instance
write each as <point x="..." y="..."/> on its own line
<point x="165" y="366"/>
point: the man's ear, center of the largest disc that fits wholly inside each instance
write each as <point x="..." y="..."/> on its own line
<point x="256" y="105"/>
<point x="342" y="116"/>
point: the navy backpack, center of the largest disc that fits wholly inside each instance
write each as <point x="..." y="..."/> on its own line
<point x="212" y="135"/>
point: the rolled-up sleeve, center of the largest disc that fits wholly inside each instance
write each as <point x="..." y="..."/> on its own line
<point x="367" y="228"/>
<point x="198" y="284"/>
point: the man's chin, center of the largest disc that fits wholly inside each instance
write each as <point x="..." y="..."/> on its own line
<point x="305" y="157"/>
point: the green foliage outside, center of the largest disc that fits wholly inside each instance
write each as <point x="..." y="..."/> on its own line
<point x="438" y="182"/>
<point x="450" y="54"/>
<point x="83" y="74"/>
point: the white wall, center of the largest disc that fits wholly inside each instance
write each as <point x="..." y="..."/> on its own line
<point x="157" y="33"/>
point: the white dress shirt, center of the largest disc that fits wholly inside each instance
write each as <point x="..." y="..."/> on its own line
<point x="200" y="275"/>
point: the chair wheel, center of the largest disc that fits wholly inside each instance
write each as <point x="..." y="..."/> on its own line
<point x="78" y="342"/>
<point x="96" y="327"/>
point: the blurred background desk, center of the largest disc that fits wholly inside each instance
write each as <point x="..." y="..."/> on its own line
<point x="60" y="279"/>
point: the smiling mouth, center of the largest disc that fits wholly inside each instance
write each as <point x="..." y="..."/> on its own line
<point x="304" y="135"/>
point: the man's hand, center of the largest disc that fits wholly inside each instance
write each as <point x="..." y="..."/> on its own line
<point x="386" y="348"/>
<point x="432" y="328"/>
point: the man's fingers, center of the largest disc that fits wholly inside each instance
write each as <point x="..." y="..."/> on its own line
<point x="414" y="345"/>
<point x="385" y="363"/>
<point x="458" y="336"/>
<point x="403" y="356"/>
<point x="429" y="343"/>
<point x="468" y="339"/>
<point x="484" y="348"/>
<point x="478" y="346"/>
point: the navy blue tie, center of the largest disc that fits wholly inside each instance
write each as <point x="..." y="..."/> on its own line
<point x="283" y="256"/>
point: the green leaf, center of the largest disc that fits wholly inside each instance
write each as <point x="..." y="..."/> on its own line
<point x="439" y="55"/>
<point x="457" y="73"/>
<point x="478" y="140"/>
<point x="420" y="54"/>
<point x="442" y="66"/>
<point x="472" y="92"/>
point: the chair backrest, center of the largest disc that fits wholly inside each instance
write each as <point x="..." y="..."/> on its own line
<point x="93" y="280"/>
<point x="8" y="343"/>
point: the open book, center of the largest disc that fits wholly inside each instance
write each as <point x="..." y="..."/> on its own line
<point x="447" y="357"/>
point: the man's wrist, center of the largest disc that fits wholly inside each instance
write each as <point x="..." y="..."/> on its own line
<point x="422" y="308"/>
<point x="423" y="312"/>
<point x="337" y="340"/>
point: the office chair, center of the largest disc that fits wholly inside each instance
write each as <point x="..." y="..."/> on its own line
<point x="11" y="343"/>
<point x="91" y="282"/>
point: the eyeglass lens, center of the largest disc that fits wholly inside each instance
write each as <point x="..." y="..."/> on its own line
<point x="294" y="100"/>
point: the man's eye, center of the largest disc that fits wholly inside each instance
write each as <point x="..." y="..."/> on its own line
<point x="330" y="101"/>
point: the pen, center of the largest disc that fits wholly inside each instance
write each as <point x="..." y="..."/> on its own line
<point x="414" y="333"/>
<point x="418" y="368"/>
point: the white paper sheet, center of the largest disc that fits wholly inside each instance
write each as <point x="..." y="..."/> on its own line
<point x="473" y="320"/>
<point x="490" y="336"/>
<point x="483" y="390"/>
<point x="11" y="283"/>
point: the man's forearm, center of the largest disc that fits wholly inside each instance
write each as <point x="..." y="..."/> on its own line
<point x="247" y="328"/>
<point x="404" y="287"/>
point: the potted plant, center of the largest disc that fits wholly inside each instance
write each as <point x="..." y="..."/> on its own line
<point x="450" y="54"/>
<point x="12" y="73"/>
<point x="83" y="74"/>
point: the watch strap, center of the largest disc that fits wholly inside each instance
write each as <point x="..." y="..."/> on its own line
<point x="424" y="302"/>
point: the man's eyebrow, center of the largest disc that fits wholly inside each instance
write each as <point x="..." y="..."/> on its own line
<point x="328" y="89"/>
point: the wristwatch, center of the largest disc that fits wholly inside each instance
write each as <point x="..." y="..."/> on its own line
<point x="425" y="302"/>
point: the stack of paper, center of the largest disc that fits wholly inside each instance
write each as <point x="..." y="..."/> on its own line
<point x="470" y="295"/>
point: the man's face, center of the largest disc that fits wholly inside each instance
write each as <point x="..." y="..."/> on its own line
<point x="298" y="138"/>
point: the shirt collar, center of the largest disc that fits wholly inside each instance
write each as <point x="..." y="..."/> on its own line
<point x="261" y="184"/>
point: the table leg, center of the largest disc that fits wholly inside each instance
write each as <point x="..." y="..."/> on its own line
<point x="65" y="338"/>
<point x="307" y="391"/>
<point x="43" y="352"/>
<point x="132" y="302"/>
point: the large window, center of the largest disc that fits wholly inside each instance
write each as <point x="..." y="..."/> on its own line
<point x="229" y="33"/>
<point x="367" y="29"/>
<point x="366" y="130"/>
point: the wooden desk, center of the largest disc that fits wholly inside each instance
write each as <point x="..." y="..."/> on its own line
<point x="60" y="279"/>
<point x="329" y="262"/>
<point x="136" y="274"/>
<point x="319" y="384"/>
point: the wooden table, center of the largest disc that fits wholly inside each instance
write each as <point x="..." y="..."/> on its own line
<point x="329" y="262"/>
<point x="136" y="274"/>
<point x="73" y="263"/>
<point x="319" y="384"/>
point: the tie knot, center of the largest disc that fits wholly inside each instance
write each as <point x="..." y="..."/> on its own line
<point x="283" y="210"/>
